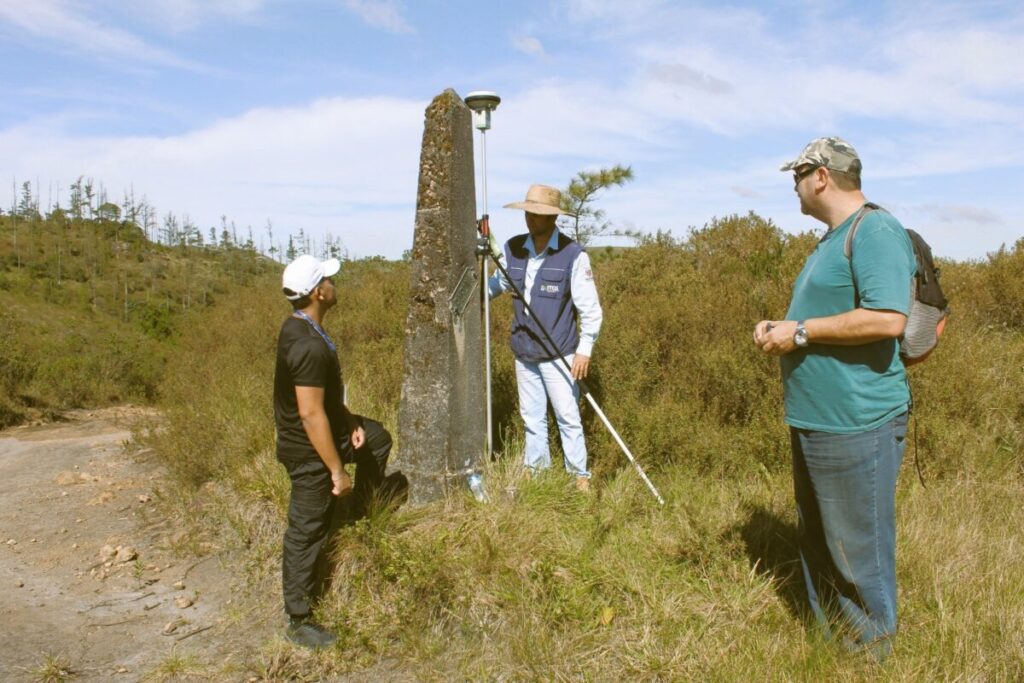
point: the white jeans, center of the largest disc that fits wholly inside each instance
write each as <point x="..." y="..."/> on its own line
<point x="538" y="383"/>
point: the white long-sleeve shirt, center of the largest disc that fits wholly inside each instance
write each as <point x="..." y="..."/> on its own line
<point x="584" y="291"/>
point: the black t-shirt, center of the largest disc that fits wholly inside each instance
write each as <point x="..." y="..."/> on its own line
<point x="304" y="360"/>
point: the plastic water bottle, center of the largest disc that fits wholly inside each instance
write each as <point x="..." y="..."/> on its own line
<point x="476" y="485"/>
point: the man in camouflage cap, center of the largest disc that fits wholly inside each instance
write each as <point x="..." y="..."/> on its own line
<point x="846" y="396"/>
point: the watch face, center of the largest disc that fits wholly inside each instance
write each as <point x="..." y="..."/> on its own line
<point x="800" y="337"/>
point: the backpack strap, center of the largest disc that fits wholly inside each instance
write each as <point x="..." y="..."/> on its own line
<point x="861" y="213"/>
<point x="848" y="244"/>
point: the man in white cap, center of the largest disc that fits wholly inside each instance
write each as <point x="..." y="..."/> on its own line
<point x="846" y="395"/>
<point x="316" y="435"/>
<point x="554" y="275"/>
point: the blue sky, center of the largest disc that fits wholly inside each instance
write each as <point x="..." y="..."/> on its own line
<point x="308" y="114"/>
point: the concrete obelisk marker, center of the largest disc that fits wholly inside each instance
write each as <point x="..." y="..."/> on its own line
<point x="441" y="420"/>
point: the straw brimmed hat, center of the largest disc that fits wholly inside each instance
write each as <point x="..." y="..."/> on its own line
<point x="541" y="199"/>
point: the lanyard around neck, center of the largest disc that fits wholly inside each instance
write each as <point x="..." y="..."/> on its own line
<point x="319" y="330"/>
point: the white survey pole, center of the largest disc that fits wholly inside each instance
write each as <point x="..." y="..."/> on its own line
<point x="482" y="103"/>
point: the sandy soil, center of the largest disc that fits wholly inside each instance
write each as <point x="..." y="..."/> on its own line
<point x="92" y="575"/>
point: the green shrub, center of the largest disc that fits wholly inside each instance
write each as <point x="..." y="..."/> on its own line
<point x="675" y="368"/>
<point x="707" y="587"/>
<point x="154" y="320"/>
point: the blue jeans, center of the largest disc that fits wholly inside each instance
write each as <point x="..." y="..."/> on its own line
<point x="845" y="486"/>
<point x="538" y="383"/>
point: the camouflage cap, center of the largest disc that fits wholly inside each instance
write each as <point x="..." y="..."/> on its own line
<point x="832" y="153"/>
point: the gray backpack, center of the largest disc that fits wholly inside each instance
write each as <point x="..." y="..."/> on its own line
<point x="929" y="307"/>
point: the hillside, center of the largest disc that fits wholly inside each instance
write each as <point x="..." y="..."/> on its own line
<point x="90" y="306"/>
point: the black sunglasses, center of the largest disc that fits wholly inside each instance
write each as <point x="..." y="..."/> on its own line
<point x="800" y="175"/>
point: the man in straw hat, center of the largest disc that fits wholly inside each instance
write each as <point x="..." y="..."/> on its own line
<point x="554" y="275"/>
<point x="846" y="395"/>
<point x="316" y="435"/>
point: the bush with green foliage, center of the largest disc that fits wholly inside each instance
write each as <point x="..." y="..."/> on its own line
<point x="547" y="584"/>
<point x="674" y="368"/>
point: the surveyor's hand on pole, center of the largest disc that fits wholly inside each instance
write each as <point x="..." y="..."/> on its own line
<point x="580" y="366"/>
<point x="492" y="241"/>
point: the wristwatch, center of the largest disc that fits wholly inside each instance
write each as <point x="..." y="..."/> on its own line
<point x="800" y="336"/>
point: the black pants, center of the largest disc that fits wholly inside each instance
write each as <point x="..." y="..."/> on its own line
<point x="312" y="513"/>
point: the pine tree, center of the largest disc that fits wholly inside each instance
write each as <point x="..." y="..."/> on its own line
<point x="89" y="194"/>
<point x="172" y="230"/>
<point x="225" y="236"/>
<point x="586" y="222"/>
<point x="28" y="206"/>
<point x="270" y="238"/>
<point x="76" y="199"/>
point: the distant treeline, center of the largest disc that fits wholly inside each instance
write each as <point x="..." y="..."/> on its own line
<point x="89" y="201"/>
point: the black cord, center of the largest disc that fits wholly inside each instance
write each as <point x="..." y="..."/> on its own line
<point x="917" y="449"/>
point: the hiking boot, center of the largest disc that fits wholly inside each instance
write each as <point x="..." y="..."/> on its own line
<point x="309" y="634"/>
<point x="583" y="484"/>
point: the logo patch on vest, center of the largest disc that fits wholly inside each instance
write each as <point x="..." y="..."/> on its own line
<point x="550" y="289"/>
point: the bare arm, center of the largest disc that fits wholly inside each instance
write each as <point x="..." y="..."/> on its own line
<point x="859" y="326"/>
<point x="318" y="429"/>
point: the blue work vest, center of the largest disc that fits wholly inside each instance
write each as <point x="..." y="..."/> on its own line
<point x="550" y="300"/>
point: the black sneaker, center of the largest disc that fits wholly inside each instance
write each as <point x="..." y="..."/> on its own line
<point x="309" y="634"/>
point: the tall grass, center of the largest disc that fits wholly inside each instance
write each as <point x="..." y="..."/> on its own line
<point x="546" y="584"/>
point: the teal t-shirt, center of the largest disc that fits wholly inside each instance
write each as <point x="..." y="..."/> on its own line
<point x="848" y="389"/>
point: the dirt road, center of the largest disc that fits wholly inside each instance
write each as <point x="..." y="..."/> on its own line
<point x="92" y="577"/>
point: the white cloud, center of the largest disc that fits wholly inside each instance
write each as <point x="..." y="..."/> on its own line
<point x="687" y="77"/>
<point x="184" y="15"/>
<point x="979" y="59"/>
<point x="737" y="71"/>
<point x="615" y="11"/>
<point x="382" y="14"/>
<point x="733" y="93"/>
<point x="746" y="192"/>
<point x="344" y="166"/>
<point x="961" y="215"/>
<point x="53" y="20"/>
<point x="529" y="45"/>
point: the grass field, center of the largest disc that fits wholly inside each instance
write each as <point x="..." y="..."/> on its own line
<point x="547" y="584"/>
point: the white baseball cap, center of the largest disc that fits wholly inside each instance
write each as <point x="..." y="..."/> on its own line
<point x="302" y="275"/>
